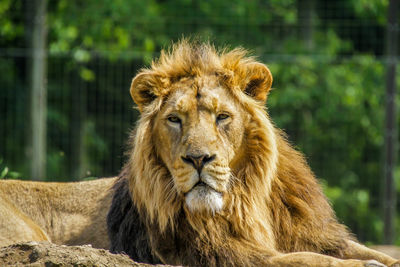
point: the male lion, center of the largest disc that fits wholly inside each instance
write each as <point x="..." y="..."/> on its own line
<point x="211" y="182"/>
<point x="62" y="213"/>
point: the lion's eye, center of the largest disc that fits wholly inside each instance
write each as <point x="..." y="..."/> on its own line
<point x="222" y="117"/>
<point x="174" y="119"/>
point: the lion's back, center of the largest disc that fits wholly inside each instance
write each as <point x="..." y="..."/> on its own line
<point x="15" y="226"/>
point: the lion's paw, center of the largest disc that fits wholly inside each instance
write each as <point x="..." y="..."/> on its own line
<point x="396" y="264"/>
<point x="374" y="263"/>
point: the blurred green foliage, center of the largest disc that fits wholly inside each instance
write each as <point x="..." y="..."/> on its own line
<point x="329" y="98"/>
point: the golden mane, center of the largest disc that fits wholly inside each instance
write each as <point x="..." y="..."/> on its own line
<point x="252" y="194"/>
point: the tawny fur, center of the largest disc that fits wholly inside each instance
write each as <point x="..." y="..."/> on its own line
<point x="62" y="213"/>
<point x="273" y="205"/>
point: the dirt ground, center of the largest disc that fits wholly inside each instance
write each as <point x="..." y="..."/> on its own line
<point x="45" y="254"/>
<point x="33" y="254"/>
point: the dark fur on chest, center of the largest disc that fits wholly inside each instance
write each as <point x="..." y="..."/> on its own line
<point x="141" y="240"/>
<point x="126" y="230"/>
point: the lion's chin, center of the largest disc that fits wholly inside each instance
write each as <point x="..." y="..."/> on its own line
<point x="203" y="198"/>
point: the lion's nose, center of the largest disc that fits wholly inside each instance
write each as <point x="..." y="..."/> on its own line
<point x="198" y="161"/>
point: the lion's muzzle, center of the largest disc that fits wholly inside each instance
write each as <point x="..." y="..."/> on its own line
<point x="203" y="194"/>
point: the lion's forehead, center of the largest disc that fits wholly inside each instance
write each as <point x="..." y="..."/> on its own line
<point x="208" y="97"/>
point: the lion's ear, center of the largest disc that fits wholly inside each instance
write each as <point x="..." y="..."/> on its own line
<point x="258" y="82"/>
<point x="143" y="89"/>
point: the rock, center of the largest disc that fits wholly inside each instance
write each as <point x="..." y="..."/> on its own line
<point x="34" y="254"/>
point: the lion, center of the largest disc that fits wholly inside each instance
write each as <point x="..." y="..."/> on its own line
<point x="210" y="181"/>
<point x="62" y="213"/>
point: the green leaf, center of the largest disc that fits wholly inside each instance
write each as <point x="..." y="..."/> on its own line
<point x="87" y="74"/>
<point x="4" y="173"/>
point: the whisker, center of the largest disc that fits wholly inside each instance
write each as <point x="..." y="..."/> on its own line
<point x="184" y="173"/>
<point x="220" y="165"/>
<point x="217" y="172"/>
<point x="179" y="167"/>
<point x="221" y="178"/>
<point x="169" y="190"/>
<point x="234" y="179"/>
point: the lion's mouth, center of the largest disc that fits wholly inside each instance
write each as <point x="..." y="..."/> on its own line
<point x="199" y="184"/>
<point x="202" y="185"/>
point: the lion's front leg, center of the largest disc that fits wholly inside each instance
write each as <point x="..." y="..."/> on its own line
<point x="311" y="259"/>
<point x="358" y="251"/>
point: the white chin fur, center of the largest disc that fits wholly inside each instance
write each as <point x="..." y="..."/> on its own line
<point x="202" y="198"/>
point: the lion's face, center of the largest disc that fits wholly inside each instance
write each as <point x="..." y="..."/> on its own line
<point x="198" y="135"/>
<point x="202" y="121"/>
